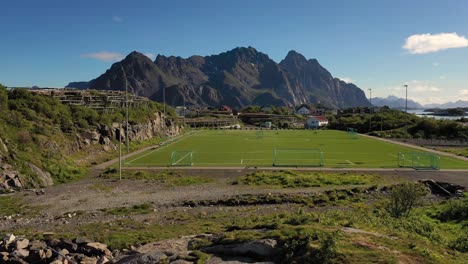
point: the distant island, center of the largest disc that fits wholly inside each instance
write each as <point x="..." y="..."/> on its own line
<point x="446" y="112"/>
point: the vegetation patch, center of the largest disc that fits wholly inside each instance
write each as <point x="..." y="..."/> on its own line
<point x="168" y="178"/>
<point x="295" y="179"/>
<point x="310" y="199"/>
<point x="136" y="209"/>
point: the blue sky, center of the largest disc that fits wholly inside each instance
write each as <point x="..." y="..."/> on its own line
<point x="375" y="44"/>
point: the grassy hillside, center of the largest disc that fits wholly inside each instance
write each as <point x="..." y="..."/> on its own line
<point x="40" y="130"/>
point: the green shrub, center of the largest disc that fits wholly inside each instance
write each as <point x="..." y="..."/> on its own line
<point x="403" y="198"/>
<point x="460" y="243"/>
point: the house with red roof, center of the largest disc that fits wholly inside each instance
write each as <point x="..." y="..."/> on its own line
<point x="316" y="122"/>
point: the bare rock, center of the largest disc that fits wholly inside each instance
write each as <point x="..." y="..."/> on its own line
<point x="21" y="243"/>
<point x="16" y="260"/>
<point x="154" y="257"/>
<point x="103" y="260"/>
<point x="45" y="179"/>
<point x="8" y="239"/>
<point x="4" y="256"/>
<point x="264" y="248"/>
<point x="89" y="260"/>
<point x="181" y="261"/>
<point x="82" y="240"/>
<point x="37" y="245"/>
<point x="21" y="253"/>
<point x="95" y="249"/>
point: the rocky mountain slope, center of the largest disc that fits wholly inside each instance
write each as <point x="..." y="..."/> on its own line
<point x="239" y="77"/>
<point x="396" y="102"/>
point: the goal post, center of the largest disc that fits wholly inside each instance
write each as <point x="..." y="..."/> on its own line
<point x="298" y="157"/>
<point x="418" y="160"/>
<point x="182" y="158"/>
<point x="352" y="132"/>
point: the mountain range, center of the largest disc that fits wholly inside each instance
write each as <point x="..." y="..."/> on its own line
<point x="237" y="78"/>
<point x="396" y="102"/>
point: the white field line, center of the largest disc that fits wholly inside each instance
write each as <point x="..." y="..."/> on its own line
<point x="181" y="159"/>
<point x="159" y="148"/>
<point x="242" y="161"/>
<point x="407" y="160"/>
<point x="350" y="162"/>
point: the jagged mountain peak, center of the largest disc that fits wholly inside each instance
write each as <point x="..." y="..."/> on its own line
<point x="238" y="77"/>
<point x="295" y="56"/>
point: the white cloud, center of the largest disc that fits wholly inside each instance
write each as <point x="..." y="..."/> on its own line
<point x="104" y="56"/>
<point x="427" y="43"/>
<point x="346" y="79"/>
<point x="117" y="19"/>
<point x="463" y="94"/>
<point x="415" y="86"/>
<point x="152" y="56"/>
<point x="435" y="64"/>
<point x="442" y="77"/>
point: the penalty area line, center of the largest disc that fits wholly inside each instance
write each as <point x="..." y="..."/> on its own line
<point x="181" y="159"/>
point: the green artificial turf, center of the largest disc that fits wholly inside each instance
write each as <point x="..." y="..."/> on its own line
<point x="241" y="148"/>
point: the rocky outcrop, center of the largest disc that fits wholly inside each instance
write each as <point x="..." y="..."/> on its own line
<point x="105" y="135"/>
<point x="93" y="140"/>
<point x="237" y="78"/>
<point x="10" y="179"/>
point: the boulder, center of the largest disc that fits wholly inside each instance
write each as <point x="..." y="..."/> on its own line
<point x="45" y="179"/>
<point x="82" y="240"/>
<point x="95" y="249"/>
<point x="37" y="245"/>
<point x="4" y="256"/>
<point x="21" y="243"/>
<point x="16" y="260"/>
<point x="154" y="257"/>
<point x="88" y="260"/>
<point x="21" y="253"/>
<point x="8" y="239"/>
<point x="264" y="248"/>
<point x="103" y="260"/>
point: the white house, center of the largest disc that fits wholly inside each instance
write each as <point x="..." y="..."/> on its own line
<point x="316" y="122"/>
<point x="303" y="111"/>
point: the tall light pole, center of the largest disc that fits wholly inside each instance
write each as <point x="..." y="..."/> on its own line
<point x="120" y="151"/>
<point x="164" y="107"/>
<point x="126" y="108"/>
<point x="370" y="109"/>
<point x="406" y="108"/>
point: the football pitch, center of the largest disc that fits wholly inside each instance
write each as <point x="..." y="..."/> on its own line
<point x="242" y="148"/>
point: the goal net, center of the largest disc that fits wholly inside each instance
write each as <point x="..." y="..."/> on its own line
<point x="352" y="132"/>
<point x="259" y="134"/>
<point x="418" y="160"/>
<point x="298" y="157"/>
<point x="182" y="158"/>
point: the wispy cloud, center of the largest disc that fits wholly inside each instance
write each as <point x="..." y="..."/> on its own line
<point x="117" y="19"/>
<point x="104" y="56"/>
<point x="416" y="86"/>
<point x="346" y="79"/>
<point x="427" y="43"/>
<point x="435" y="64"/>
<point x="152" y="56"/>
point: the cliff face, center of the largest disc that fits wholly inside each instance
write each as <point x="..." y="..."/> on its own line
<point x="94" y="141"/>
<point x="239" y="77"/>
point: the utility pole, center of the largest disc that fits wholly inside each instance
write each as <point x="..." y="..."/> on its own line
<point x="406" y="108"/>
<point x="126" y="115"/>
<point x="370" y="109"/>
<point x="164" y="107"/>
<point x="120" y="151"/>
<point x="126" y="108"/>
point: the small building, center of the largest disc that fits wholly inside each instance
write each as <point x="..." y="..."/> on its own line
<point x="303" y="111"/>
<point x="317" y="112"/>
<point x="316" y="122"/>
<point x="268" y="124"/>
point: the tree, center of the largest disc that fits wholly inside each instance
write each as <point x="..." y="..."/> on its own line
<point x="3" y="98"/>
